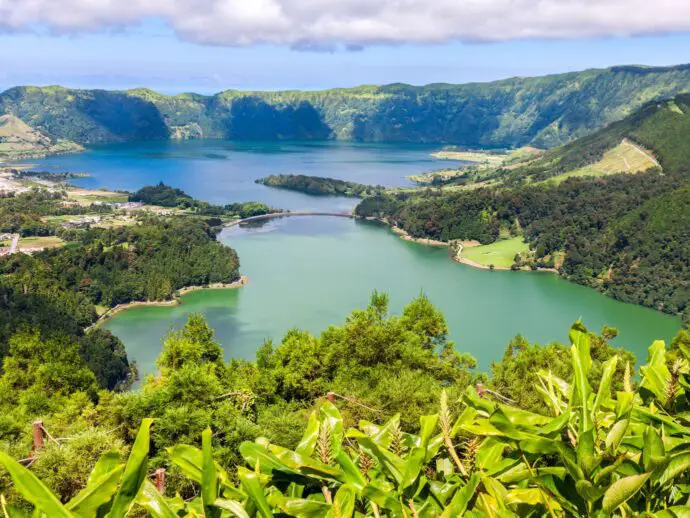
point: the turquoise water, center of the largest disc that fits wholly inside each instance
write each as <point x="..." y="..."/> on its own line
<point x="310" y="272"/>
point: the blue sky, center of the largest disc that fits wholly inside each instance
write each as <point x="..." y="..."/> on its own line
<point x="151" y="54"/>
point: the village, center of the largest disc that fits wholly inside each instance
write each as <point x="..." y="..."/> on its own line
<point x="90" y="208"/>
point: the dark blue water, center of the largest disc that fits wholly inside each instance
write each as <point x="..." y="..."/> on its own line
<point x="222" y="171"/>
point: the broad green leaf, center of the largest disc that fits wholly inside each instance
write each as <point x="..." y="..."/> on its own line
<point x="463" y="496"/>
<point x="679" y="511"/>
<point x="209" y="481"/>
<point x="310" y="436"/>
<point x="96" y="493"/>
<point x="32" y="489"/>
<point x="466" y="417"/>
<point x="414" y="461"/>
<point x="677" y="465"/>
<point x="501" y="422"/>
<point x="232" y="506"/>
<point x="655" y="375"/>
<point x="570" y="461"/>
<point x="259" y="455"/>
<point x="393" y="464"/>
<point x="616" y="434"/>
<point x="352" y="474"/>
<point x="344" y="502"/>
<point x="653" y="451"/>
<point x="442" y="491"/>
<point x="585" y="451"/>
<point x="154" y="502"/>
<point x="135" y="471"/>
<point x="588" y="491"/>
<point x="306" y="466"/>
<point x="531" y="496"/>
<point x="384" y="436"/>
<point x="382" y="498"/>
<point x="582" y="361"/>
<point x="622" y="490"/>
<point x="521" y="473"/>
<point x="303" y="508"/>
<point x="251" y="484"/>
<point x="540" y="445"/>
<point x="190" y="460"/>
<point x="106" y="463"/>
<point x="489" y="453"/>
<point x="426" y="429"/>
<point x="604" y="392"/>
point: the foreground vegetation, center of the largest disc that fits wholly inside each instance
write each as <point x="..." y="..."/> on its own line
<point x="597" y="443"/>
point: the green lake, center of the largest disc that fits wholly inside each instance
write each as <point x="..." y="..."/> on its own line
<point x="310" y="272"/>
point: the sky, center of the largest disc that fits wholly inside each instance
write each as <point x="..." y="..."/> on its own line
<point x="211" y="45"/>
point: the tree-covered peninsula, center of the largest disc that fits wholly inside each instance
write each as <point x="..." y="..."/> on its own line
<point x="320" y="186"/>
<point x="103" y="256"/>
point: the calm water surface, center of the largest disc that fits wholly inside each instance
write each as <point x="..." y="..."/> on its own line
<point x="221" y="171"/>
<point x="311" y="272"/>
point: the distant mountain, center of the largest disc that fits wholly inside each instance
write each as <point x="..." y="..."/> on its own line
<point x="540" y="111"/>
<point x="18" y="140"/>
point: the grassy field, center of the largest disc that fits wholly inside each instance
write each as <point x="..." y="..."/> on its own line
<point x="501" y="253"/>
<point x="86" y="197"/>
<point x="626" y="157"/>
<point x="41" y="242"/>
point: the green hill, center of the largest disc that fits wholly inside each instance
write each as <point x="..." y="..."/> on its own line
<point x="18" y="140"/>
<point x="658" y="130"/>
<point x="626" y="235"/>
<point x="542" y="111"/>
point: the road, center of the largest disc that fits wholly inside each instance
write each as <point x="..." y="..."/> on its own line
<point x="284" y="214"/>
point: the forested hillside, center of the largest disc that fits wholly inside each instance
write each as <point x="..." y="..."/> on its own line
<point x="659" y="128"/>
<point x="542" y="111"/>
<point x="56" y="294"/>
<point x="623" y="234"/>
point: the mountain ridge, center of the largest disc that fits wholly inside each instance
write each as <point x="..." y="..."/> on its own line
<point x="544" y="111"/>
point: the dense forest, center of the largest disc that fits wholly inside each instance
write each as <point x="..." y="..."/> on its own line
<point x="422" y="426"/>
<point x="319" y="186"/>
<point x="541" y="111"/>
<point x="627" y="235"/>
<point x="57" y="293"/>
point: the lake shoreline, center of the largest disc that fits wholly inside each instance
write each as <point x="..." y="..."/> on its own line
<point x="456" y="247"/>
<point x="176" y="301"/>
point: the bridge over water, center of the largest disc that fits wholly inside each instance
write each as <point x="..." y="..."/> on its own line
<point x="286" y="214"/>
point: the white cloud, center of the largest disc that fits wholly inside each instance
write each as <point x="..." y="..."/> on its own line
<point x="323" y="23"/>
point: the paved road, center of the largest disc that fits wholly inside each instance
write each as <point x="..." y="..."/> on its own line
<point x="283" y="214"/>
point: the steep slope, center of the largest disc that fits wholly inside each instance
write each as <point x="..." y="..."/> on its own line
<point x="659" y="129"/>
<point x="19" y="140"/>
<point x="650" y="253"/>
<point x="542" y="111"/>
